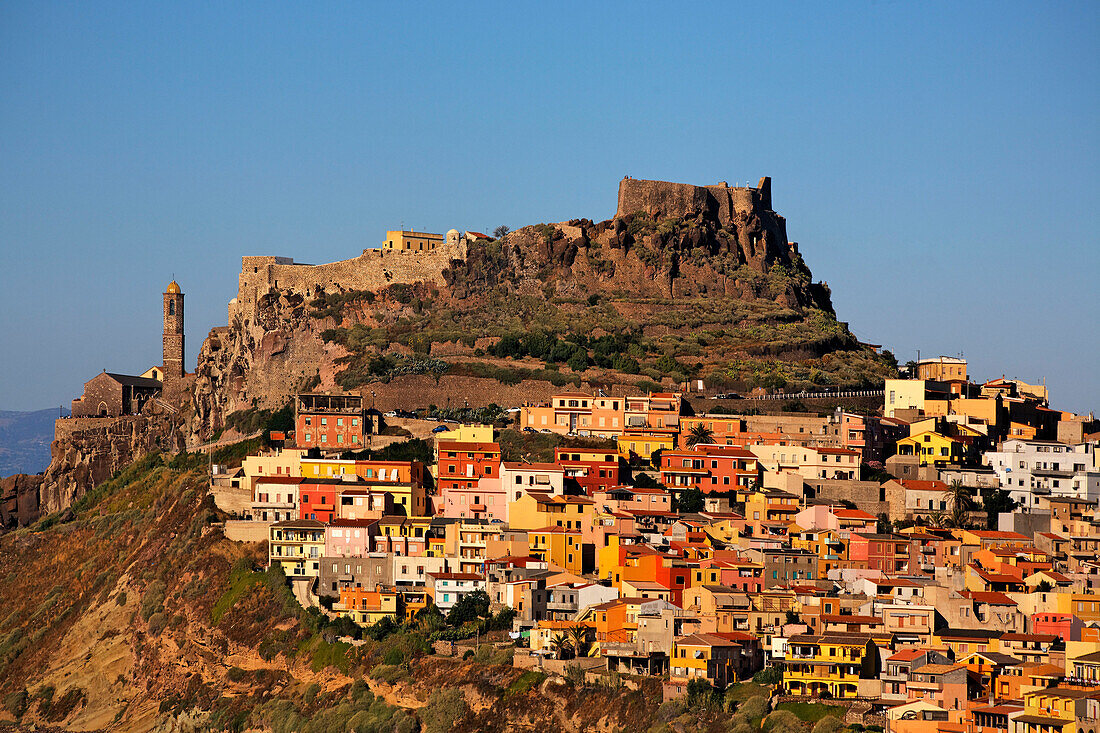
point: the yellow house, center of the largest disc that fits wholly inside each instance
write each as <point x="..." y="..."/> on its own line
<point x="286" y="462"/>
<point x="831" y="549"/>
<point x="414" y="241"/>
<point x="831" y="664"/>
<point x="1057" y="710"/>
<point x="930" y="397"/>
<point x="471" y="433"/>
<point x="327" y="467"/>
<point x="933" y="449"/>
<point x="771" y="505"/>
<point x="297" y="545"/>
<point x="535" y="511"/>
<point x="558" y="546"/>
<point x="643" y="443"/>
<point x="719" y="659"/>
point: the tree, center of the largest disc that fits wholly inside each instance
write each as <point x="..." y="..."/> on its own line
<point x="560" y="646"/>
<point x="995" y="503"/>
<point x="690" y="500"/>
<point x="645" y="481"/>
<point x="578" y="639"/>
<point x="470" y="607"/>
<point x="430" y="618"/>
<point x="1044" y="587"/>
<point x="579" y="361"/>
<point x="655" y="457"/>
<point x="961" y="502"/>
<point x="667" y="364"/>
<point x="700" y="435"/>
<point x="500" y="232"/>
<point x="885" y="526"/>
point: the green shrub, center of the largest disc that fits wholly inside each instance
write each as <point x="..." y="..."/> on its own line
<point x="782" y="721"/>
<point x="754" y="708"/>
<point x="157" y="622"/>
<point x="444" y="709"/>
<point x="16" y="702"/>
<point x="830" y="724"/>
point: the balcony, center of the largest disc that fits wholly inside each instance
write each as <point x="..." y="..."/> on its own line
<point x="561" y="606"/>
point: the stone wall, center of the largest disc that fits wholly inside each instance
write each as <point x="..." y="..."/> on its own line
<point x="664" y="199"/>
<point x="869" y="496"/>
<point x="245" y="530"/>
<point x="374" y="270"/>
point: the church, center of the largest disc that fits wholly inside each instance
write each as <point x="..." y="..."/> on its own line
<point x="113" y="395"/>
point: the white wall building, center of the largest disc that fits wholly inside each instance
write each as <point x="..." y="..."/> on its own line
<point x="1031" y="468"/>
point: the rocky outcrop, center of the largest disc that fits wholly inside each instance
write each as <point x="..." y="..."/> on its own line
<point x="19" y="500"/>
<point x="88" y="451"/>
<point x="258" y="362"/>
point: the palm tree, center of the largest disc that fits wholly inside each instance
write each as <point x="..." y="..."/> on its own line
<point x="937" y="519"/>
<point x="961" y="501"/>
<point x="700" y="435"/>
<point x="560" y="645"/>
<point x="578" y="637"/>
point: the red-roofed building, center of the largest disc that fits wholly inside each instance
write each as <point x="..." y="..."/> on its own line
<point x="710" y="468"/>
<point x="593" y="470"/>
<point x="888" y="553"/>
<point x="463" y="464"/>
<point x="318" y="500"/>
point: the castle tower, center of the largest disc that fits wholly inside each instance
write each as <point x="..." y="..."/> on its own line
<point x="173" y="340"/>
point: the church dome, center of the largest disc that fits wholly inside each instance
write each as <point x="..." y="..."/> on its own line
<point x="173" y="287"/>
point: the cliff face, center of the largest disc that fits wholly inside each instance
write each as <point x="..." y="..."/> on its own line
<point x="19" y="500"/>
<point x="88" y="451"/>
<point x="260" y="359"/>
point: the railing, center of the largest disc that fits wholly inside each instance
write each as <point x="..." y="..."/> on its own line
<point x="814" y="395"/>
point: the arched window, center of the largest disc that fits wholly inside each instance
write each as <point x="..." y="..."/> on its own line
<point x="171" y="307"/>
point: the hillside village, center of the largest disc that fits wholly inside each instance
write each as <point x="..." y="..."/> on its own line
<point x="932" y="567"/>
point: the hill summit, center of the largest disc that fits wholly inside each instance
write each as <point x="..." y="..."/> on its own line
<point x="684" y="282"/>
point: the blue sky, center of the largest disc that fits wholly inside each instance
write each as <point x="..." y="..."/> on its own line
<point x="938" y="164"/>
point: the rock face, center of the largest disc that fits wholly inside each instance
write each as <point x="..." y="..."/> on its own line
<point x="19" y="500"/>
<point x="88" y="451"/>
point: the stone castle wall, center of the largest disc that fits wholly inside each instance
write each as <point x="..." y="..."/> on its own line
<point x="663" y="199"/>
<point x="373" y="270"/>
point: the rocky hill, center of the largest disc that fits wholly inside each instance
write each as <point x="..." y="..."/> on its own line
<point x="684" y="282"/>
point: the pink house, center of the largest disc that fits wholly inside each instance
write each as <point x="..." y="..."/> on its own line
<point x="635" y="500"/>
<point x="485" y="500"/>
<point x="348" y="537"/>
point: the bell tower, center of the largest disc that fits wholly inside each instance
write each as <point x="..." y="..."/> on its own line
<point x="173" y="340"/>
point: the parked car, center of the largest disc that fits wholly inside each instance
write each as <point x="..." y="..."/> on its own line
<point x="440" y="429"/>
<point x="391" y="413"/>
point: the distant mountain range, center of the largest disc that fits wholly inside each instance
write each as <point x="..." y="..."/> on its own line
<point x="25" y="439"/>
